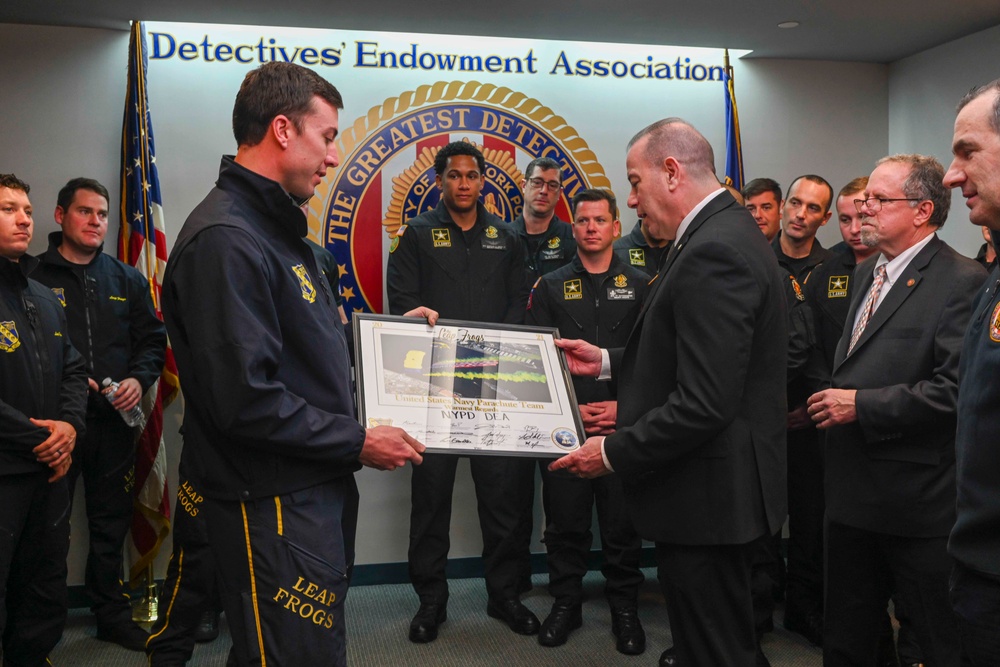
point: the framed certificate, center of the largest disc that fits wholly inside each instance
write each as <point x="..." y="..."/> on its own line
<point x="467" y="387"/>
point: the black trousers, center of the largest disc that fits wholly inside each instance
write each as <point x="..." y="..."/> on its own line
<point x="106" y="460"/>
<point x="190" y="587"/>
<point x="806" y="507"/>
<point x="861" y="569"/>
<point x="707" y="590"/>
<point x="526" y="526"/>
<point x="976" y="601"/>
<point x="766" y="568"/>
<point x="34" y="544"/>
<point x="501" y="484"/>
<point x="284" y="567"/>
<point x="568" y="503"/>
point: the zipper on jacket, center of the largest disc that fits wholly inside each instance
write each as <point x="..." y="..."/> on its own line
<point x="90" y="298"/>
<point x="991" y="293"/>
<point x="32" y="314"/>
<point x="597" y="309"/>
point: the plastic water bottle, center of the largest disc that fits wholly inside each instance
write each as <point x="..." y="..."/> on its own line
<point x="132" y="417"/>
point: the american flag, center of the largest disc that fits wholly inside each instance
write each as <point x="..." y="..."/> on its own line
<point x="143" y="244"/>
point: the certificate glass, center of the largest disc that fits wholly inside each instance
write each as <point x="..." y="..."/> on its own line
<point x="467" y="387"/>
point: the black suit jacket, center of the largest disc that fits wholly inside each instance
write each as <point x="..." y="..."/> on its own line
<point x="893" y="470"/>
<point x="701" y="389"/>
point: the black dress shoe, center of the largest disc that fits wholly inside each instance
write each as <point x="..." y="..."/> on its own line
<point x="517" y="617"/>
<point x="562" y="620"/>
<point x="424" y="626"/>
<point x="625" y="626"/>
<point x="126" y="634"/>
<point x="809" y="625"/>
<point x="208" y="627"/>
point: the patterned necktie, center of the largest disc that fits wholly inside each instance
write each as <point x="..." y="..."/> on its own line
<point x="869" y="307"/>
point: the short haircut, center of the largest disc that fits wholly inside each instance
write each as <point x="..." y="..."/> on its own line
<point x="994" y="87"/>
<point x="543" y="164"/>
<point x="596" y="194"/>
<point x="458" y="148"/>
<point x="759" y="186"/>
<point x="14" y="183"/>
<point x="855" y="185"/>
<point x="65" y="196"/>
<point x="277" y="89"/>
<point x="926" y="181"/>
<point x="677" y="138"/>
<point x="818" y="180"/>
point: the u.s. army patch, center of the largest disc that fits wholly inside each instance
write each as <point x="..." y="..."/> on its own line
<point x="308" y="291"/>
<point x="837" y="287"/>
<point x="441" y="237"/>
<point x="572" y="289"/>
<point x="637" y="256"/>
<point x="393" y="244"/>
<point x="60" y="294"/>
<point x="9" y="340"/>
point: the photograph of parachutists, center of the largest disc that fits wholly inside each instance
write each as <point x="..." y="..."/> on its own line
<point x="467" y="366"/>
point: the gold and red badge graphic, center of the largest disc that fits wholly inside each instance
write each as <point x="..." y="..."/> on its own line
<point x="995" y="324"/>
<point x="387" y="176"/>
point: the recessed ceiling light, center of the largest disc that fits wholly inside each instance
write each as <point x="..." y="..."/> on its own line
<point x="788" y="24"/>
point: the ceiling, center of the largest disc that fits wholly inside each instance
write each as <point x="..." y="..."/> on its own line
<point x="878" y="31"/>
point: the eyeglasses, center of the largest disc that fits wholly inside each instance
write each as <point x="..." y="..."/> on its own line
<point x="874" y="204"/>
<point x="539" y="183"/>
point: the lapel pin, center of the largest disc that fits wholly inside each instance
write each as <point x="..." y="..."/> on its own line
<point x="911" y="282"/>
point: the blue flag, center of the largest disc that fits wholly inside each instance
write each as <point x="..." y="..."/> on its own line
<point x="734" y="147"/>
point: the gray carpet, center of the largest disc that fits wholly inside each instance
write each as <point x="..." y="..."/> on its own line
<point x="378" y="618"/>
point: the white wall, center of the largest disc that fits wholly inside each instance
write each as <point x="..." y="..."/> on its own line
<point x="63" y="99"/>
<point x="62" y="118"/>
<point x="810" y="117"/>
<point x="924" y="90"/>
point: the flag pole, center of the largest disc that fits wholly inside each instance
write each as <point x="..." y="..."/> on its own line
<point x="734" y="145"/>
<point x="142" y="245"/>
<point x="147" y="609"/>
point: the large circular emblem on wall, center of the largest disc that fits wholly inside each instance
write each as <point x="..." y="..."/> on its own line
<point x="387" y="173"/>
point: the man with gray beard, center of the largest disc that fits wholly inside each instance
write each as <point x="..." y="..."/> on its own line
<point x="890" y="420"/>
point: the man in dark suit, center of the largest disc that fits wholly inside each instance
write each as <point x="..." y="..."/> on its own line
<point x="700" y="445"/>
<point x="890" y="458"/>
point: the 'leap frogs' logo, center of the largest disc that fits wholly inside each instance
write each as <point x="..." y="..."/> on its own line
<point x="387" y="176"/>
